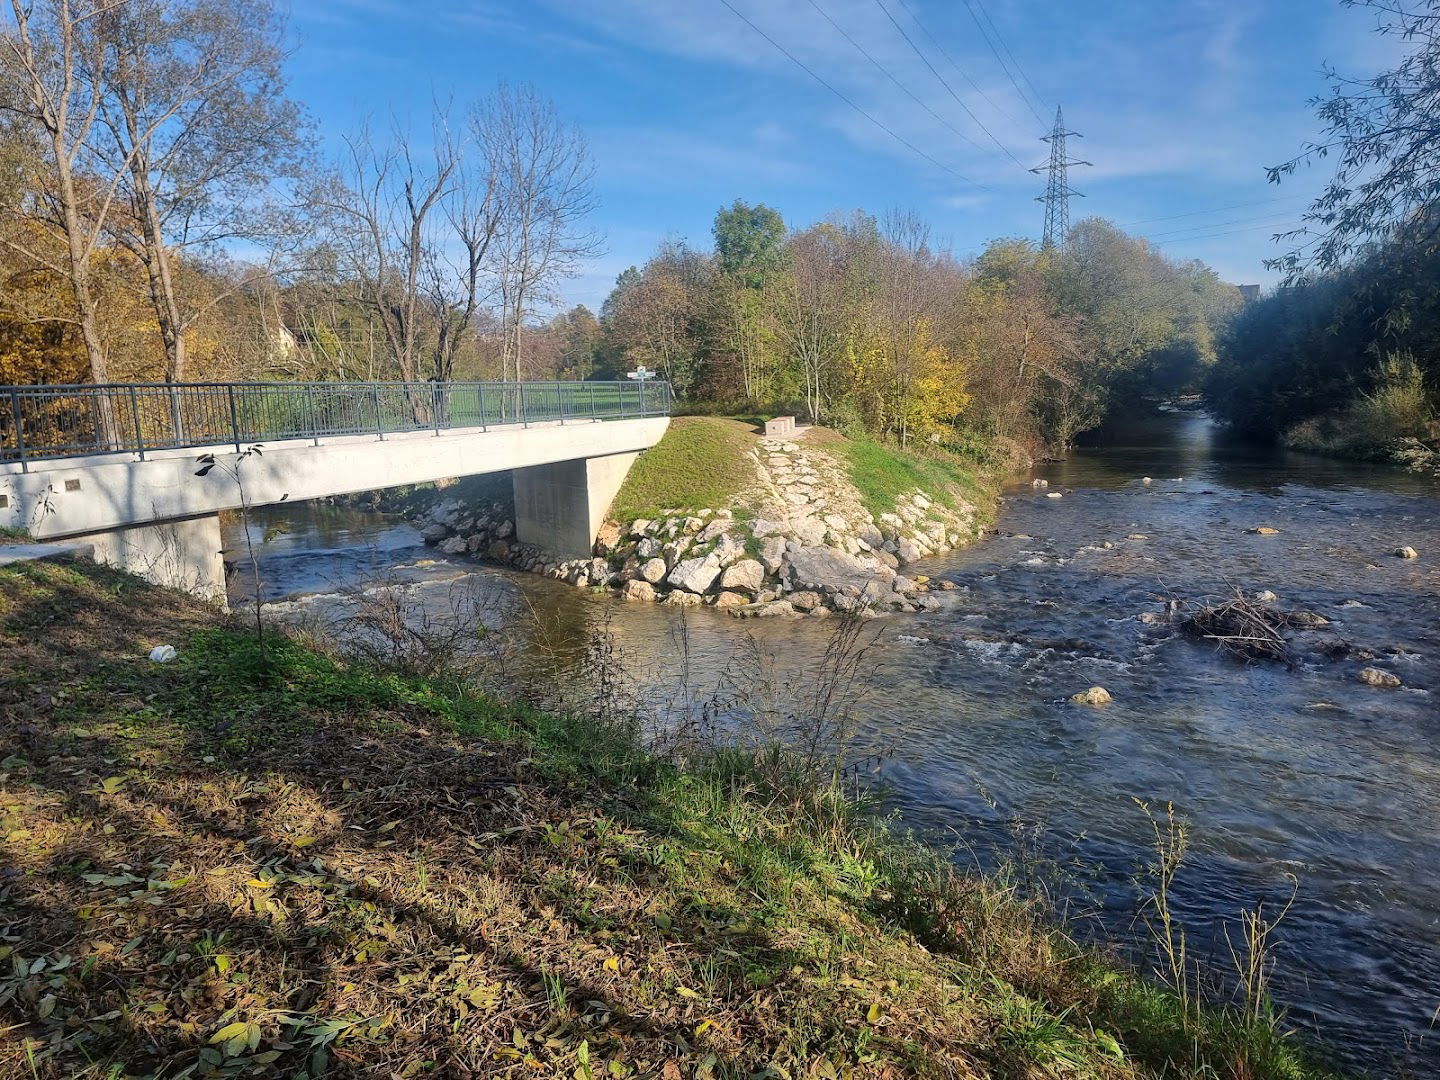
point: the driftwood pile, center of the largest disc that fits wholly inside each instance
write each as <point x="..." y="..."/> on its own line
<point x="1247" y="628"/>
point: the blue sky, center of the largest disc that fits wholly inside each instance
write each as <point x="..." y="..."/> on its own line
<point x="687" y="108"/>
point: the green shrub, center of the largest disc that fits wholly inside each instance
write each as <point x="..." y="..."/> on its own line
<point x="1377" y="423"/>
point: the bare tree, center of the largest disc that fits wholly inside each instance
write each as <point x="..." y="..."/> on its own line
<point x="461" y="282"/>
<point x="195" y="120"/>
<point x="543" y="171"/>
<point x="382" y="208"/>
<point x="810" y="309"/>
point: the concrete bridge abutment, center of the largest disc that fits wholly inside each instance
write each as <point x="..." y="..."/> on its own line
<point x="183" y="554"/>
<point x="561" y="506"/>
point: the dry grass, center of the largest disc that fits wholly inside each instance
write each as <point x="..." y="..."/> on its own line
<point x="293" y="867"/>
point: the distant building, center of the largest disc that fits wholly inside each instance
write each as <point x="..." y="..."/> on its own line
<point x="1249" y="293"/>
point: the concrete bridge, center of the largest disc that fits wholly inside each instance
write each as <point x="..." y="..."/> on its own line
<point x="115" y="467"/>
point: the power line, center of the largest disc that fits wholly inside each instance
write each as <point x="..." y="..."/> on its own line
<point x="1276" y="228"/>
<point x="961" y="71"/>
<point x="909" y="41"/>
<point x="1215" y="210"/>
<point x="1001" y="38"/>
<point x="996" y="53"/>
<point x="802" y="66"/>
<point x="886" y="72"/>
<point x="1261" y="220"/>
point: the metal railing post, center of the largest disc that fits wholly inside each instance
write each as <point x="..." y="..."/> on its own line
<point x="480" y="399"/>
<point x="314" y="421"/>
<point x="19" y="428"/>
<point x="520" y="403"/>
<point x="379" y="426"/>
<point x="593" y="416"/>
<point x="435" y="405"/>
<point x="234" y="417"/>
<point x="135" y="417"/>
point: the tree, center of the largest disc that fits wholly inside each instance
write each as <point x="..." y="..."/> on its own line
<point x="811" y="308"/>
<point x="1382" y="133"/>
<point x="382" y="208"/>
<point x="749" y="253"/>
<point x="1126" y="300"/>
<point x="655" y="320"/>
<point x="1020" y="350"/>
<point x="579" y="339"/>
<point x="194" y="119"/>
<point x="1349" y="361"/>
<point x="749" y="242"/>
<point x="906" y="306"/>
<point x="543" y="172"/>
<point x="51" y="57"/>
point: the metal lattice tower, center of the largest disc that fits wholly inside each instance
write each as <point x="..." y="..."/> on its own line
<point x="1057" y="190"/>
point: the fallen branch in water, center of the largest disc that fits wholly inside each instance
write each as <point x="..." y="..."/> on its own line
<point x="1242" y="627"/>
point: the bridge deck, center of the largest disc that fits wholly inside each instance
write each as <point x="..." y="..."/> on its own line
<point x="47" y="423"/>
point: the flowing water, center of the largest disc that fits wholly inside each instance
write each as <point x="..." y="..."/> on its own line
<point x="1279" y="770"/>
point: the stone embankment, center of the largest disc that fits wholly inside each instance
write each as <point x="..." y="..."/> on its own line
<point x="802" y="544"/>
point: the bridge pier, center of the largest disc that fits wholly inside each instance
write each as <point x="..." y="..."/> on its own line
<point x="560" y="507"/>
<point x="180" y="554"/>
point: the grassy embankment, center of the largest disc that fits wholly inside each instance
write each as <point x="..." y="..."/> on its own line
<point x="700" y="463"/>
<point x="703" y="462"/>
<point x="285" y="865"/>
<point x="882" y="474"/>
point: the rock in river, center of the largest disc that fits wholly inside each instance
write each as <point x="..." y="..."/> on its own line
<point x="695" y="575"/>
<point x="745" y="574"/>
<point x="1374" y="676"/>
<point x="764" y="611"/>
<point x="1407" y="553"/>
<point x="636" y="589"/>
<point x="823" y="569"/>
<point x="1096" y="695"/>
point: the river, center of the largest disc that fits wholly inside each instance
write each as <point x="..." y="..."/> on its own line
<point x="1279" y="771"/>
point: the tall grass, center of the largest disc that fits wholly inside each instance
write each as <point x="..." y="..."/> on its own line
<point x="1397" y="413"/>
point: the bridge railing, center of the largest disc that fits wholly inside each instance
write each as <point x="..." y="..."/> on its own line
<point x="43" y="422"/>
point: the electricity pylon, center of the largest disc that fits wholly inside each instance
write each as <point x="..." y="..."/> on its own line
<point x="1057" y="190"/>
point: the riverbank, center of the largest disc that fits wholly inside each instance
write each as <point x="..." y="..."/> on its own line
<point x="263" y="863"/>
<point x="806" y="524"/>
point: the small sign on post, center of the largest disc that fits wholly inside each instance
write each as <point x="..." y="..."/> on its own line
<point x="640" y="374"/>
